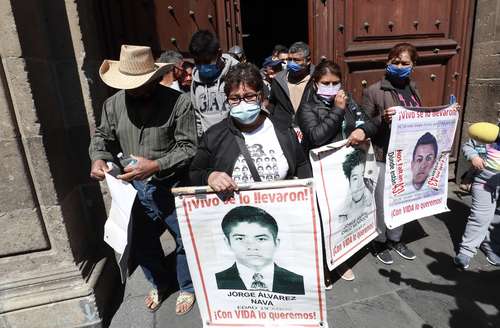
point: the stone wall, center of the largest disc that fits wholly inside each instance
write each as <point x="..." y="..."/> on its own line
<point x="54" y="267"/>
<point x="483" y="90"/>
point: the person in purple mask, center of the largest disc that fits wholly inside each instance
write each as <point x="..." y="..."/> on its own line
<point x="327" y="114"/>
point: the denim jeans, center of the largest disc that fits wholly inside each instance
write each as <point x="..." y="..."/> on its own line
<point x="154" y="211"/>
<point x="384" y="232"/>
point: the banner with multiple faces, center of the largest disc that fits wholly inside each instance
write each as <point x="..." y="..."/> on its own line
<point x="256" y="257"/>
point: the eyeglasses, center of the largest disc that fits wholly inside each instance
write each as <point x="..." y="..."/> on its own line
<point x="249" y="98"/>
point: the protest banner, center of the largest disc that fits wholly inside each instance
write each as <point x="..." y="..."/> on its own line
<point x="416" y="173"/>
<point x="255" y="258"/>
<point x="345" y="179"/>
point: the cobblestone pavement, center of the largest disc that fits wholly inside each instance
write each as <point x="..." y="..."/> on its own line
<point x="425" y="293"/>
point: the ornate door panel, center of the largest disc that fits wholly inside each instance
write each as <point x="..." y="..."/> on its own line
<point x="357" y="34"/>
<point x="167" y="24"/>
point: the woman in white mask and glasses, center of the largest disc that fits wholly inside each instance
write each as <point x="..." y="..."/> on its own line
<point x="235" y="150"/>
<point x="328" y="114"/>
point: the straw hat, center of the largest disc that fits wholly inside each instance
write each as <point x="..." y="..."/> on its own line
<point x="135" y="68"/>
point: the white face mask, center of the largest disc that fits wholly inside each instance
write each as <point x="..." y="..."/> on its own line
<point x="245" y="113"/>
<point x="328" y="91"/>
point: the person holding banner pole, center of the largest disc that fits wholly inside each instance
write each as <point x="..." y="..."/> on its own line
<point x="328" y="114"/>
<point x="379" y="99"/>
<point x="231" y="151"/>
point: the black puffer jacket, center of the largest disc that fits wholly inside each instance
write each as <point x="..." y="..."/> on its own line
<point x="321" y="123"/>
<point x="218" y="151"/>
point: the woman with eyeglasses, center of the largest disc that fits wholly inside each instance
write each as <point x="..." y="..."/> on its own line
<point x="328" y="114"/>
<point x="231" y="151"/>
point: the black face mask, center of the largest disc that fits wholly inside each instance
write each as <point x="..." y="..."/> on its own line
<point x="299" y="75"/>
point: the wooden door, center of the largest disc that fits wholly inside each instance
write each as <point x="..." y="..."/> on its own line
<point x="167" y="24"/>
<point x="359" y="33"/>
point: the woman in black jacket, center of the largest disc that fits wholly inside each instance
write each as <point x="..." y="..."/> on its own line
<point x="247" y="146"/>
<point x="327" y="114"/>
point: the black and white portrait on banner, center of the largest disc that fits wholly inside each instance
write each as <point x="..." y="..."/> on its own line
<point x="252" y="235"/>
<point x="345" y="178"/>
<point x="255" y="258"/>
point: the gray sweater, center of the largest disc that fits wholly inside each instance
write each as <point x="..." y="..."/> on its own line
<point x="209" y="99"/>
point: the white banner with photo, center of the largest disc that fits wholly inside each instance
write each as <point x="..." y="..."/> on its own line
<point x="345" y="179"/>
<point x="255" y="258"/>
<point x="416" y="173"/>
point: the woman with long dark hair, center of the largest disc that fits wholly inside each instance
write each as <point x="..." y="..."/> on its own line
<point x="327" y="114"/>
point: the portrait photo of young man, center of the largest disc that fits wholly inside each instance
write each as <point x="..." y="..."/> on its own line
<point x="252" y="235"/>
<point x="423" y="160"/>
<point x="360" y="198"/>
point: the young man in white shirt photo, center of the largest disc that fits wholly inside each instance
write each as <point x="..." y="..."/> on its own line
<point x="252" y="235"/>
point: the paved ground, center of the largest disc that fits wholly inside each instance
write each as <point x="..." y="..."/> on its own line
<point x="425" y="293"/>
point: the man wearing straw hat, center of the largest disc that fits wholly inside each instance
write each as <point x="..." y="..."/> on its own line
<point x="155" y="127"/>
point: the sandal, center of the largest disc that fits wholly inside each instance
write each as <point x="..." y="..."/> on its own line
<point x="154" y="298"/>
<point x="184" y="303"/>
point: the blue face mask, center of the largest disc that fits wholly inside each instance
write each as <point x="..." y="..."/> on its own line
<point x="397" y="72"/>
<point x="208" y="72"/>
<point x="245" y="113"/>
<point x="293" y="66"/>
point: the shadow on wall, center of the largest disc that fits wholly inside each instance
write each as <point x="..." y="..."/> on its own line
<point x="52" y="67"/>
<point x="105" y="26"/>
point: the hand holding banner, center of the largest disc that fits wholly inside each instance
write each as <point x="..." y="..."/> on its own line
<point x="345" y="178"/>
<point x="416" y="176"/>
<point x="256" y="258"/>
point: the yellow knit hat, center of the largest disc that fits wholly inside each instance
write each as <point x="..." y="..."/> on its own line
<point x="484" y="132"/>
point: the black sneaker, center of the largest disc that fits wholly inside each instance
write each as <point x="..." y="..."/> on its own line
<point x="382" y="253"/>
<point x="402" y="250"/>
<point x="491" y="256"/>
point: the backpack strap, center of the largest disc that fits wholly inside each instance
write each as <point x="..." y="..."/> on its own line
<point x="248" y="158"/>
